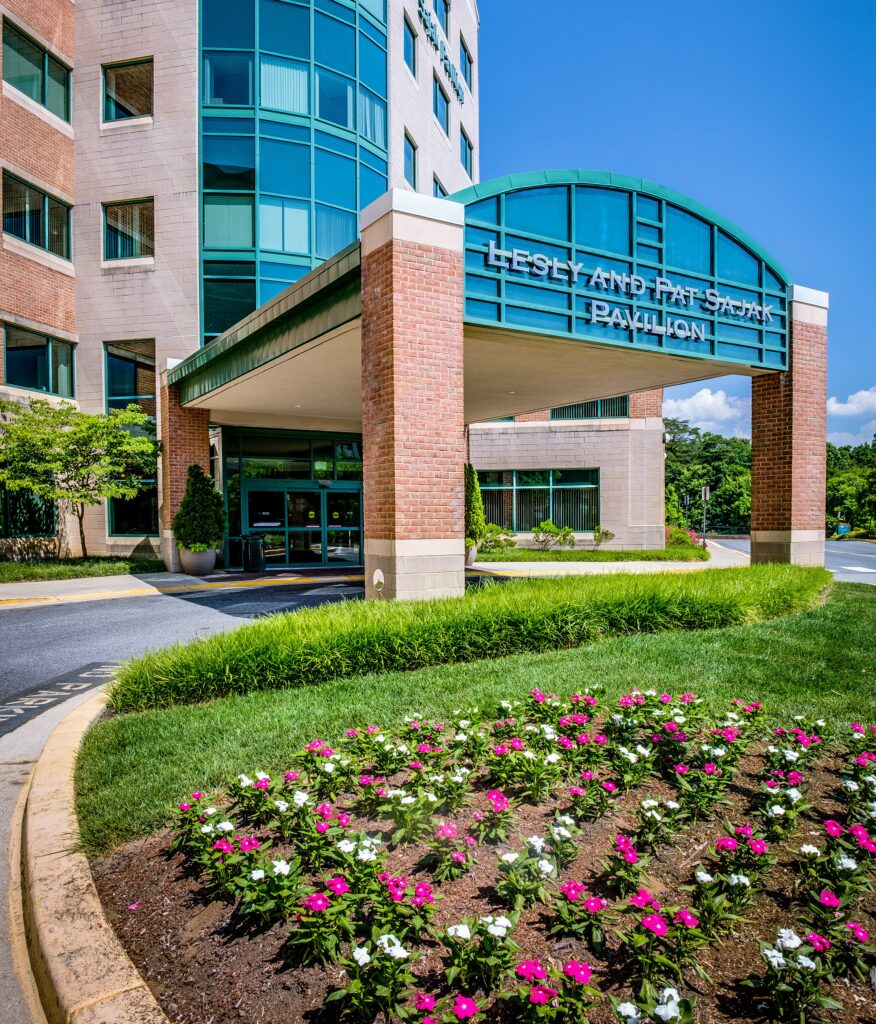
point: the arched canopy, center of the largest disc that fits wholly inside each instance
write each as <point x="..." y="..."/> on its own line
<point x="617" y="260"/>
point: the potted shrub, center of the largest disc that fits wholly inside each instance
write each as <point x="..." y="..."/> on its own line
<point x="475" y="519"/>
<point x="199" y="525"/>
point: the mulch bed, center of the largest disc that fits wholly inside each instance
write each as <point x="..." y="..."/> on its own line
<point x="207" y="966"/>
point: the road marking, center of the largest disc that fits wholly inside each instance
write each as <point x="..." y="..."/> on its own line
<point x="33" y="701"/>
<point x="855" y="568"/>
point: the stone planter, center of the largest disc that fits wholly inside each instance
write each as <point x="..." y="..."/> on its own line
<point x="471" y="556"/>
<point x="197" y="563"/>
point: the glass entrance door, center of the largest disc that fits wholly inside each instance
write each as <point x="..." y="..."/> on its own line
<point x="304" y="526"/>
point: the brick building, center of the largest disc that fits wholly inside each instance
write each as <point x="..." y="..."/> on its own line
<point x="260" y="221"/>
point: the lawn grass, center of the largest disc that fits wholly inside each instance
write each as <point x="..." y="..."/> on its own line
<point x="132" y="769"/>
<point x="672" y="553"/>
<point x="76" y="568"/>
<point x="317" y="645"/>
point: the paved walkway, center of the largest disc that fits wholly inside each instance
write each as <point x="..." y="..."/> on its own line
<point x="722" y="558"/>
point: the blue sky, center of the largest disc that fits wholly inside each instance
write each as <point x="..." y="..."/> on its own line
<point x="761" y="109"/>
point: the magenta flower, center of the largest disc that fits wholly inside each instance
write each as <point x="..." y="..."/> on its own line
<point x="134" y="906"/>
<point x="579" y="972"/>
<point x="457" y="857"/>
<point x="757" y="847"/>
<point x="686" y="918"/>
<point x="665" y="698"/>
<point x="423" y="1001"/>
<point x="338" y="885"/>
<point x="858" y="931"/>
<point x="609" y="787"/>
<point x="322" y="826"/>
<point x="197" y="795"/>
<point x="681" y="769"/>
<point x="446" y="831"/>
<point x="531" y="970"/>
<point x="595" y="904"/>
<point x="630" y="856"/>
<point x="577" y="791"/>
<point x="223" y="846"/>
<point x="541" y="995"/>
<point x="655" y="923"/>
<point x="710" y="768"/>
<point x="641" y="899"/>
<point x="829" y="899"/>
<point x="745" y="830"/>
<point x="248" y="844"/>
<point x="292" y="776"/>
<point x="185" y="807"/>
<point x="465" y="1008"/>
<point x="726" y="844"/>
<point x="316" y="903"/>
<point x="343" y="819"/>
<point x="573" y="890"/>
<point x="262" y="783"/>
<point x="833" y="828"/>
<point x="818" y="942"/>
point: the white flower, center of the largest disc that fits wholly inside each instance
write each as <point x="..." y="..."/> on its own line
<point x="282" y="806"/>
<point x="261" y="776"/>
<point x="209" y="812"/>
<point x="366" y="855"/>
<point x="459" y="931"/>
<point x="851" y="785"/>
<point x="775" y="810"/>
<point x="774" y="957"/>
<point x="742" y="880"/>
<point x="328" y="767"/>
<point x="809" y="850"/>
<point x="847" y="864"/>
<point x="300" y="798"/>
<point x="653" y="814"/>
<point x="629" y="1012"/>
<point x="346" y="846"/>
<point x="361" y="955"/>
<point x="794" y="795"/>
<point x="503" y="922"/>
<point x="669" y="995"/>
<point x="406" y="801"/>
<point x="703" y="877"/>
<point x="393" y="793"/>
<point x="431" y="798"/>
<point x="245" y="781"/>
<point x="552" y="758"/>
<point x="545" y="866"/>
<point x="561" y="833"/>
<point x="457" y="778"/>
<point x="225" y="826"/>
<point x="380" y="739"/>
<point x="536" y="842"/>
<point x="805" y="961"/>
<point x="529" y="755"/>
<point x="461" y="737"/>
<point x="668" y="1011"/>
<point x="207" y="830"/>
<point x="719" y="751"/>
<point x="497" y="930"/>
<point x="644" y="751"/>
<point x="281" y="867"/>
<point x="790" y="755"/>
<point x="257" y="875"/>
<point x="509" y="858"/>
<point x="565" y="819"/>
<point x="464" y="723"/>
<point x="647" y="804"/>
<point x="788" y="939"/>
<point x="672" y="805"/>
<point x="398" y="952"/>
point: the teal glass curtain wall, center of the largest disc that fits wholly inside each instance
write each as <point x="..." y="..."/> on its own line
<point x="294" y="139"/>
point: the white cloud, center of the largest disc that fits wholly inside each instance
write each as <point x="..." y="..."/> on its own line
<point x="863" y="436"/>
<point x="861" y="403"/>
<point x="715" y="411"/>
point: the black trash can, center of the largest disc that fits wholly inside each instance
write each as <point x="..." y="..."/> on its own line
<point x="254" y="553"/>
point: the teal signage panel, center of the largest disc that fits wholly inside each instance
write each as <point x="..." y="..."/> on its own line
<point x="621" y="262"/>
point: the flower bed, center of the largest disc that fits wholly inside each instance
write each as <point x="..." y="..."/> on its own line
<point x="539" y="861"/>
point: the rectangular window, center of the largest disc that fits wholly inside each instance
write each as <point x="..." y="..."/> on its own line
<point x="285" y="85"/>
<point x="441" y="105"/>
<point x="334" y="98"/>
<point x="137" y="516"/>
<point x="25" y="514"/>
<point x="284" y="225"/>
<point x="466" y="152"/>
<point x="438" y="190"/>
<point x="33" y="71"/>
<point x="466" y="63"/>
<point x="228" y="78"/>
<point x="442" y="9"/>
<point x="372" y="117"/>
<point x="38" y="363"/>
<point x="229" y="162"/>
<point x="35" y="217"/>
<point x="129" y="230"/>
<point x="410" y="48"/>
<point x="130" y="375"/>
<point x="229" y="222"/>
<point x="410" y="161"/>
<point x="127" y="90"/>
<point x="520" y="499"/>
<point x="226" y="302"/>
<point x="600" y="409"/>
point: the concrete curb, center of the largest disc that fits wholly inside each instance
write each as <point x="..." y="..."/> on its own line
<point x="82" y="972"/>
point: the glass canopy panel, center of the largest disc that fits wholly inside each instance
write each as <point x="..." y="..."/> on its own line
<point x="539" y="211"/>
<point x="602" y="219"/>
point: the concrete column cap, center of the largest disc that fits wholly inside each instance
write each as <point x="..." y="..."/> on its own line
<point x="400" y="200"/>
<point x="810" y="296"/>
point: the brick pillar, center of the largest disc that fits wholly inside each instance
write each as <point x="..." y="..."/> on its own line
<point x="412" y="396"/>
<point x="185" y="439"/>
<point x="646" y="472"/>
<point x="788" y="443"/>
<point x="647" y="404"/>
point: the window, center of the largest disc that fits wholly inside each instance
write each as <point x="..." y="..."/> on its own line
<point x="372" y="118"/>
<point x="466" y="63"/>
<point x="284" y="167"/>
<point x="466" y="152"/>
<point x="335" y="179"/>
<point x="334" y="98"/>
<point x="602" y="218"/>
<point x="334" y="44"/>
<point x="129" y="230"/>
<point x="285" y="85"/>
<point x="228" y="79"/>
<point x="520" y="499"/>
<point x="137" y="516"/>
<point x="127" y="90"/>
<point x="130" y="375"/>
<point x="284" y="225"/>
<point x="441" y="105"/>
<point x="25" y="514"/>
<point x="226" y="302"/>
<point x="410" y="48"/>
<point x="335" y="229"/>
<point x="35" y="217"/>
<point x="229" y="222"/>
<point x="438" y="190"/>
<point x="442" y="9"/>
<point x="229" y="162"/>
<point x="284" y="28"/>
<point x="410" y="161"/>
<point x="31" y="70"/>
<point x="600" y="409"/>
<point x="38" y="363"/>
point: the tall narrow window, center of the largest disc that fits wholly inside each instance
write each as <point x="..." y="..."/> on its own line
<point x="442" y="9"/>
<point x="38" y="363"/>
<point x="35" y="72"/>
<point x="438" y="190"/>
<point x="466" y="63"/>
<point x="410" y="48"/>
<point x="129" y="230"/>
<point x="410" y="161"/>
<point x="127" y="90"/>
<point x="441" y="106"/>
<point x="35" y="217"/>
<point x="466" y="152"/>
<point x="130" y="375"/>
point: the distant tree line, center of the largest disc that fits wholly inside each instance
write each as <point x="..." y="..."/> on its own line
<point x="696" y="458"/>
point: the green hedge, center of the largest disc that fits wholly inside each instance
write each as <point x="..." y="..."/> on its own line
<point x="356" y="637"/>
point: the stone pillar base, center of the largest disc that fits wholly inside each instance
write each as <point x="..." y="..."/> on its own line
<point x="794" y="547"/>
<point x="169" y="551"/>
<point x="414" y="570"/>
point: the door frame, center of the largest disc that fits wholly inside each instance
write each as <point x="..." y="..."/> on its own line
<point x="322" y="487"/>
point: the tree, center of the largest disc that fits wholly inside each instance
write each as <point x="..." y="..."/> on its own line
<point x="75" y="458"/>
<point x="475" y="518"/>
<point x="199" y="525"/>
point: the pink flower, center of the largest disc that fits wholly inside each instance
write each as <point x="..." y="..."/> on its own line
<point x="292" y="776"/>
<point x="829" y="899"/>
<point x="655" y="923"/>
<point x="595" y="904"/>
<point x="464" y="1008"/>
<point x="470" y="840"/>
<point x="457" y="857"/>
<point x="579" y="972"/>
<point x="322" y="826"/>
<point x="499" y="801"/>
<point x="531" y="970"/>
<point x="541" y="995"/>
<point x="446" y="831"/>
<point x="350" y="733"/>
<point x="343" y="819"/>
<point x="682" y="769"/>
<point x="416" y="766"/>
<point x="338" y="886"/>
<point x="573" y="890"/>
<point x="745" y="830"/>
<point x="818" y="942"/>
<point x="185" y="807"/>
<point x="686" y="918"/>
<point x="577" y="791"/>
<point x="609" y="787"/>
<point x="665" y="698"/>
<point x="422" y="1001"/>
<point x="710" y="768"/>
<point x="223" y="846"/>
<point x="726" y="844"/>
<point x="686" y="698"/>
<point x="324" y="810"/>
<point x="134" y="906"/>
<point x="262" y="783"/>
<point x="858" y="931"/>
<point x="197" y="795"/>
<point x="516" y="743"/>
<point x="641" y="899"/>
<point x="833" y="828"/>
<point x="630" y="856"/>
<point x="757" y="847"/>
<point x="501" y="750"/>
<point x="317" y="903"/>
<point x="247" y="845"/>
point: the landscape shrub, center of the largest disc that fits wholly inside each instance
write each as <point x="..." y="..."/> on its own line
<point x="496" y="539"/>
<point x="200" y="522"/>
<point x="354" y="638"/>
<point x="475" y="518"/>
<point x="676" y="535"/>
<point x="548" y="535"/>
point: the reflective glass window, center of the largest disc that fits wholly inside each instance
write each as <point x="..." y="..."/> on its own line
<point x="375" y="7"/>
<point x="441" y="106"/>
<point x="226" y="302"/>
<point x="648" y="208"/>
<point x="410" y="47"/>
<point x="284" y="168"/>
<point x="33" y="71"/>
<point x="539" y="211"/>
<point x="228" y="79"/>
<point x="688" y="241"/>
<point x="57" y="89"/>
<point x="127" y="90"/>
<point x="442" y="9"/>
<point x="285" y="85"/>
<point x="466" y="152"/>
<point x="438" y="190"/>
<point x="34" y="217"/>
<point x="335" y="179"/>
<point x="335" y="229"/>
<point x="228" y="222"/>
<point x="602" y="219"/>
<point x="736" y="263"/>
<point x="372" y="65"/>
<point x="229" y="163"/>
<point x="410" y="162"/>
<point x="284" y="28"/>
<point x="228" y="24"/>
<point x="39" y="363"/>
<point x="372" y="117"/>
<point x="284" y="225"/>
<point x="135" y="517"/>
<point x="130" y="375"/>
<point x="466" y="62"/>
<point x="338" y="10"/>
<point x="334" y="98"/>
<point x="25" y="514"/>
<point x="371" y="186"/>
<point x="771" y="281"/>
<point x="129" y="230"/>
<point x="334" y="44"/>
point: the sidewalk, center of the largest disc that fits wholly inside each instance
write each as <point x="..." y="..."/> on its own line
<point x="722" y="558"/>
